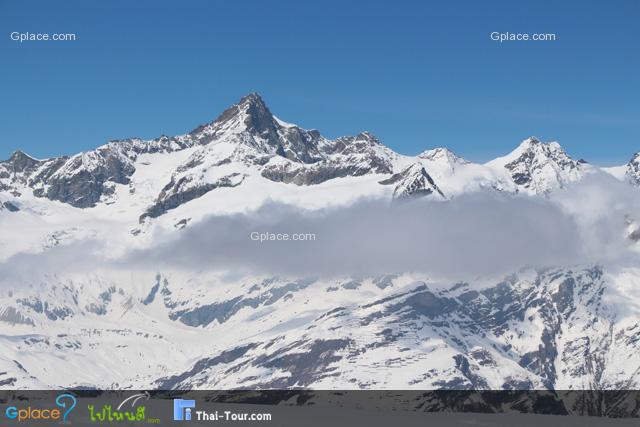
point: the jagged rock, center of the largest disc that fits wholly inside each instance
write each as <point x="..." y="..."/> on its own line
<point x="250" y="123"/>
<point x="21" y="162"/>
<point x="533" y="329"/>
<point x="413" y="182"/>
<point x="9" y="206"/>
<point x="247" y="139"/>
<point x="538" y="167"/>
<point x="633" y="169"/>
<point x="346" y="156"/>
<point x="81" y="180"/>
<point x="178" y="193"/>
<point x="13" y="316"/>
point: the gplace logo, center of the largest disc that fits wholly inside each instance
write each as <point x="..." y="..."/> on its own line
<point x="66" y="402"/>
<point x="182" y="409"/>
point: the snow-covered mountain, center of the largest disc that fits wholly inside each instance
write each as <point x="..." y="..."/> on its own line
<point x="412" y="182"/>
<point x="560" y="327"/>
<point x="539" y="168"/>
<point x="536" y="329"/>
<point x="247" y="146"/>
<point x="247" y="141"/>
<point x="632" y="170"/>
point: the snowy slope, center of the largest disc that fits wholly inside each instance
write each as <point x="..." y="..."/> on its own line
<point x="555" y="328"/>
<point x="134" y="327"/>
<point x="125" y="190"/>
<point x="456" y="176"/>
<point x="248" y="150"/>
<point x="539" y="168"/>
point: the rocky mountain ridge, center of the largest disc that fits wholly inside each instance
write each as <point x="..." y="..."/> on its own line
<point x="122" y="323"/>
<point x="535" y="329"/>
<point x="247" y="139"/>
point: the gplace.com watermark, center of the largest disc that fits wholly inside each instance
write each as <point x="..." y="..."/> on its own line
<point x="42" y="37"/>
<point x="522" y="37"/>
<point x="261" y="237"/>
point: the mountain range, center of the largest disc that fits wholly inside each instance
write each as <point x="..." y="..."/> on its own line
<point x="247" y="141"/>
<point x="540" y="327"/>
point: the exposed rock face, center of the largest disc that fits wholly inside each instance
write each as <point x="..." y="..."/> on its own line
<point x="250" y="123"/>
<point x="12" y="316"/>
<point x="535" y="329"/>
<point x="538" y="167"/>
<point x="177" y="193"/>
<point x="81" y="180"/>
<point x="247" y="135"/>
<point x="15" y="171"/>
<point x="20" y="162"/>
<point x="266" y="293"/>
<point x="247" y="143"/>
<point x="413" y="182"/>
<point x="9" y="206"/>
<point x="548" y="330"/>
<point x="633" y="169"/>
<point x="346" y="156"/>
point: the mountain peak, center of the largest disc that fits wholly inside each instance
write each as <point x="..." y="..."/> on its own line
<point x="633" y="169"/>
<point x="441" y="154"/>
<point x="251" y="113"/>
<point x="21" y="161"/>
<point x="532" y="140"/>
<point x="252" y="98"/>
<point x="20" y="155"/>
<point x="536" y="147"/>
<point x="258" y="117"/>
<point x="369" y="137"/>
<point x="534" y="143"/>
<point x="529" y="143"/>
<point x="413" y="182"/>
<point x="540" y="167"/>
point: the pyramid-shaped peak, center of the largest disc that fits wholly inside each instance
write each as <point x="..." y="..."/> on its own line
<point x="249" y="114"/>
<point x="533" y="146"/>
<point x="533" y="142"/>
<point x="368" y="136"/>
<point x="530" y="142"/>
<point x="413" y="182"/>
<point x="441" y="153"/>
<point x="540" y="167"/>
<point x="253" y="100"/>
<point x="20" y="160"/>
<point x="20" y="155"/>
<point x="257" y="114"/>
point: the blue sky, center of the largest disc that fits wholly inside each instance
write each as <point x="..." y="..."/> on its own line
<point x="417" y="75"/>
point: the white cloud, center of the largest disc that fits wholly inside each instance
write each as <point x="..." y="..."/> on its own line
<point x="480" y="234"/>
